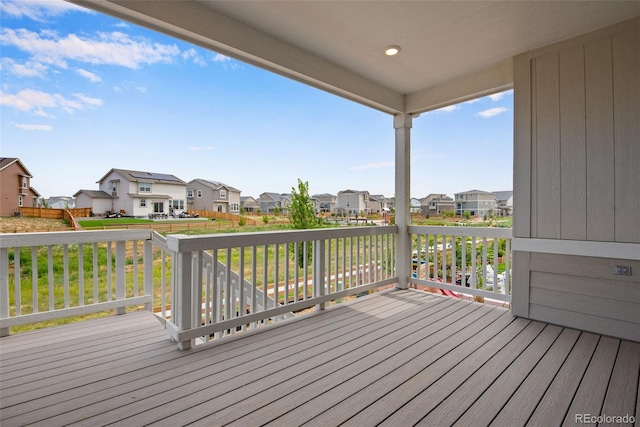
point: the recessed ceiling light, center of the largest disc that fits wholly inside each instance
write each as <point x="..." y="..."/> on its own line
<point x="391" y="50"/>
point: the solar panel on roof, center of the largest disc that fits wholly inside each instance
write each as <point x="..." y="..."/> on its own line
<point x="156" y="176"/>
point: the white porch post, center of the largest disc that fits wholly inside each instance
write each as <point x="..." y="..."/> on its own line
<point x="402" y="125"/>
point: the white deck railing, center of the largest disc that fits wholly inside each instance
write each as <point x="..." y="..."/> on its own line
<point x="212" y="285"/>
<point x="281" y="272"/>
<point x="468" y="260"/>
<point x="75" y="273"/>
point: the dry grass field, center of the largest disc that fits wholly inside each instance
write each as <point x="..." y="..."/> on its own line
<point x="25" y="225"/>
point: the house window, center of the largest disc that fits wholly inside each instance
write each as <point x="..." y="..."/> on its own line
<point x="176" y="204"/>
<point x="190" y="193"/>
<point x="20" y="200"/>
<point x="24" y="183"/>
<point x="158" y="207"/>
<point x="200" y="193"/>
<point x="223" y="194"/>
<point x="144" y="187"/>
<point x="113" y="185"/>
<point x="143" y="203"/>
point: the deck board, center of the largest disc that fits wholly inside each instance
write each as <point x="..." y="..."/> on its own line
<point x="394" y="358"/>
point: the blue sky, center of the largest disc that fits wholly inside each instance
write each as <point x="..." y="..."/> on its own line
<point x="82" y="93"/>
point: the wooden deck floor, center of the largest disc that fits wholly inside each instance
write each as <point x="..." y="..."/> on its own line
<point x="398" y="358"/>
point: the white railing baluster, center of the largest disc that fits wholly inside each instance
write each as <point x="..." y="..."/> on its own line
<point x="147" y="278"/>
<point x="242" y="305"/>
<point x="435" y="257"/>
<point x="50" y="276"/>
<point x="265" y="278"/>
<point x="4" y="287"/>
<point x="120" y="275"/>
<point x="474" y="264"/>
<point x="276" y="275"/>
<point x="80" y="274"/>
<point x="94" y="255"/>
<point x="16" y="281"/>
<point x="65" y="273"/>
<point x="254" y="287"/>
<point x="484" y="263"/>
<point x="495" y="265"/>
<point x="286" y="273"/>
<point x="34" y="279"/>
<point x="507" y="267"/>
<point x="109" y="273"/>
<point x="134" y="255"/>
<point x="463" y="261"/>
<point x="305" y="268"/>
<point x="454" y="260"/>
<point x="296" y="271"/>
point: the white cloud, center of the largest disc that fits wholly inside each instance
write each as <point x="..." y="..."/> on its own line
<point x="26" y="69"/>
<point x="193" y="55"/>
<point x="372" y="166"/>
<point x="94" y="102"/>
<point x="37" y="10"/>
<point x="32" y="127"/>
<point x="113" y="48"/>
<point x="472" y="101"/>
<point x="496" y="96"/>
<point x="93" y="78"/>
<point x="195" y="148"/>
<point x="126" y="86"/>
<point x="37" y="102"/>
<point x="492" y="112"/>
<point x="449" y="108"/>
<point x="218" y="57"/>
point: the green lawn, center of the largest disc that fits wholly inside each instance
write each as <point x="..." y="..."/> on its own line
<point x="89" y="223"/>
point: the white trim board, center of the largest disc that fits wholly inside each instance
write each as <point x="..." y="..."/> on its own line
<point x="579" y="248"/>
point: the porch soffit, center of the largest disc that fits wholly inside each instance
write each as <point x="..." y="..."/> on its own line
<point x="451" y="51"/>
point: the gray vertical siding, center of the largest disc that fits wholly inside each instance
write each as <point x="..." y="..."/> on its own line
<point x="577" y="177"/>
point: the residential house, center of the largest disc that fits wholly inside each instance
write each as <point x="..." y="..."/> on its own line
<point x="478" y="203"/>
<point x="377" y="204"/>
<point x="414" y="205"/>
<point x="214" y="196"/>
<point x="436" y="204"/>
<point x="504" y="202"/>
<point x="136" y="193"/>
<point x="61" y="202"/>
<point x="15" y="187"/>
<point x="353" y="202"/>
<point x="326" y="202"/>
<point x="249" y="204"/>
<point x="99" y="201"/>
<point x="274" y="202"/>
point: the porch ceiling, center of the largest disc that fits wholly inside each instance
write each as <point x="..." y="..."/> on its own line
<point x="451" y="51"/>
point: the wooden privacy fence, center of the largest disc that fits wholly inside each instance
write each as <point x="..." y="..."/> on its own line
<point x="68" y="215"/>
<point x="49" y="213"/>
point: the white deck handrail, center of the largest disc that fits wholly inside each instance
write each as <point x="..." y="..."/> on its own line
<point x="340" y="262"/>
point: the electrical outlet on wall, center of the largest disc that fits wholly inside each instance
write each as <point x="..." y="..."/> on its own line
<point x="622" y="270"/>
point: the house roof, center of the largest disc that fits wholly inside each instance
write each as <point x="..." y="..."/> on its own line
<point x="136" y="176"/>
<point x="353" y="191"/>
<point x="475" y="192"/>
<point x="214" y="184"/>
<point x="451" y="51"/>
<point x="503" y="195"/>
<point x="94" y="194"/>
<point x="5" y="162"/>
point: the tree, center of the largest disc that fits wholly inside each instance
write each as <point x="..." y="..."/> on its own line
<point x="301" y="211"/>
<point x="302" y="216"/>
